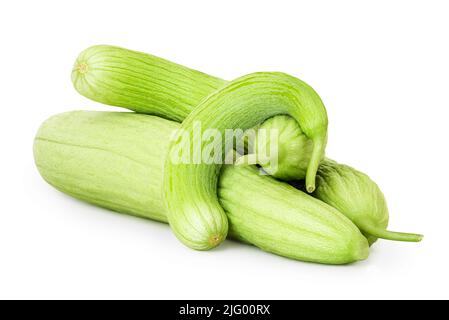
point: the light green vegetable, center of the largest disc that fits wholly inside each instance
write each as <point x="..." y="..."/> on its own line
<point x="140" y="82"/>
<point x="294" y="149"/>
<point x="151" y="85"/>
<point x="190" y="189"/>
<point x="350" y="191"/>
<point x="359" y="198"/>
<point x="116" y="160"/>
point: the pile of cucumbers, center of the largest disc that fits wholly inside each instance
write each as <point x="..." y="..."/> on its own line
<point x="289" y="200"/>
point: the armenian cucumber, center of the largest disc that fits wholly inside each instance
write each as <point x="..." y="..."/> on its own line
<point x="190" y="189"/>
<point x="293" y="148"/>
<point x="116" y="160"/>
<point x="148" y="84"/>
<point x="348" y="190"/>
<point x="140" y="82"/>
<point x="357" y="196"/>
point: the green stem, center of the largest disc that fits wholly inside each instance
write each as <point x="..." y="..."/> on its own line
<point x="389" y="235"/>
<point x="319" y="145"/>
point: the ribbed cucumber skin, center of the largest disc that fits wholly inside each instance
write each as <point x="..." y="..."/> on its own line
<point x="277" y="218"/>
<point x="294" y="149"/>
<point x="151" y="85"/>
<point x="116" y="161"/>
<point x="360" y="199"/>
<point x="113" y="159"/>
<point x="190" y="189"/>
<point x="140" y="82"/>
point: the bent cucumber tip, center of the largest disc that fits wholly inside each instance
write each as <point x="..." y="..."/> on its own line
<point x="319" y="146"/>
<point x="310" y="188"/>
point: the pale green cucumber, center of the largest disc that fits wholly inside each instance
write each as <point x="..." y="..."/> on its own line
<point x="190" y="189"/>
<point x="350" y="191"/>
<point x="294" y="149"/>
<point x="140" y="82"/>
<point x="148" y="84"/>
<point x="359" y="198"/>
<point x="116" y="160"/>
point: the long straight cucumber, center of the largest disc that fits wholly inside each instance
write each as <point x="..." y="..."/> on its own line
<point x="116" y="161"/>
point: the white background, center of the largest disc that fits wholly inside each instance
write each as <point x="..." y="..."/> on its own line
<point x="381" y="68"/>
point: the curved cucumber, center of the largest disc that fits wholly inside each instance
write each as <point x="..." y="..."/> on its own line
<point x="151" y="85"/>
<point x="293" y="149"/>
<point x="190" y="189"/>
